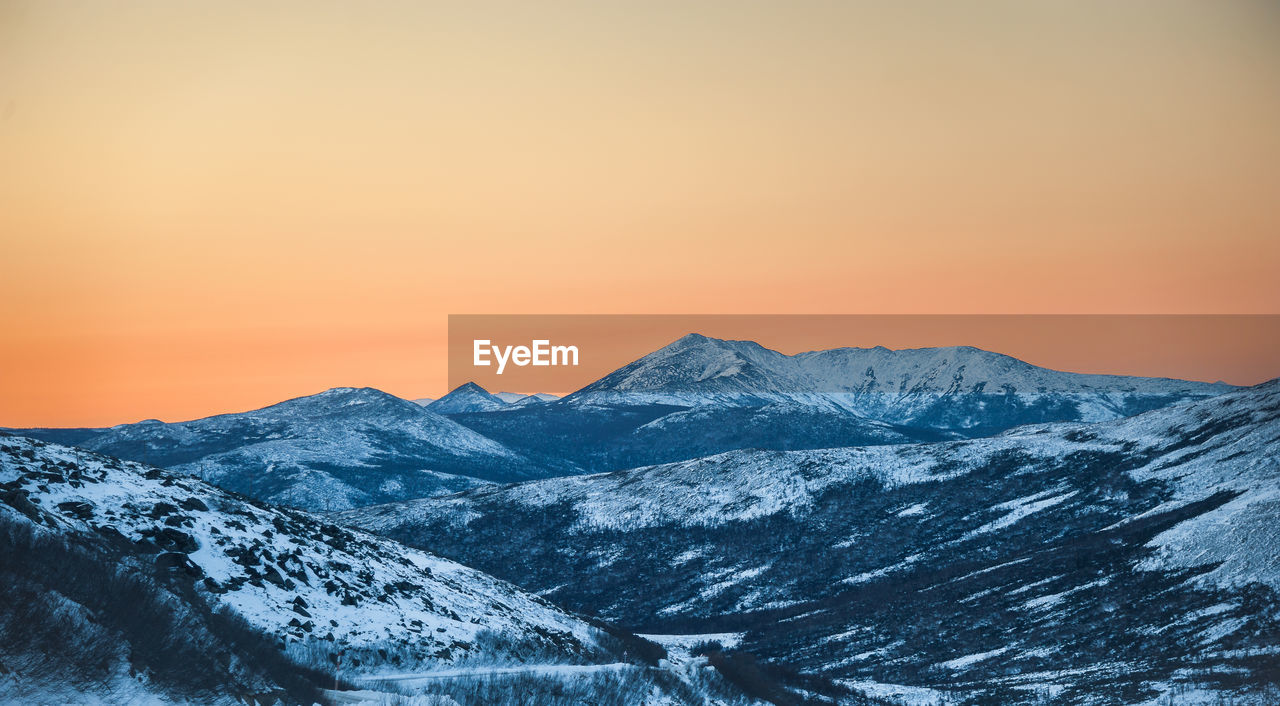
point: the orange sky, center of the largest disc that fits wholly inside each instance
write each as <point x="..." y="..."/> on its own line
<point x="210" y="206"/>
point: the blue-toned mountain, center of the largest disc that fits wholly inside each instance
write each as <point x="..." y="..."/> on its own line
<point x="1099" y="563"/>
<point x="341" y="448"/>
<point x="700" y="396"/>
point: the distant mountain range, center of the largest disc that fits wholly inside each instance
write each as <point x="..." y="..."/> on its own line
<point x="517" y="398"/>
<point x="1129" y="558"/>
<point x="470" y="397"/>
<point x="123" y="583"/>
<point x="844" y="527"/>
<point x="950" y="389"/>
<point x="341" y="448"/>
<point x="695" y="397"/>
<point x="700" y="396"/>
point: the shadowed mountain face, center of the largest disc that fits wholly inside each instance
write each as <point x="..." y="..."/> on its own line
<point x="700" y="396"/>
<point x="1127" y="558"/>
<point x="341" y="448"/>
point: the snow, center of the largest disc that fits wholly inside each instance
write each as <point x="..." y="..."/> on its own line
<point x="689" y="555"/>
<point x="913" y="511"/>
<point x="1185" y="453"/>
<point x="441" y="603"/>
<point x="468" y="397"/>
<point x="563" y="670"/>
<point x="727" y="640"/>
<point x="1242" y="536"/>
<point x="1054" y="599"/>
<point x="708" y="491"/>
<point x="1019" y="509"/>
<point x="866" y="576"/>
<point x="1221" y="629"/>
<point x="121" y="689"/>
<point x="972" y="659"/>
<point x="879" y="383"/>
<point x="309" y="445"/>
<point x="900" y="694"/>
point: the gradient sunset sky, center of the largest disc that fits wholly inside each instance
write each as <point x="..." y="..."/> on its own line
<point x="212" y="206"/>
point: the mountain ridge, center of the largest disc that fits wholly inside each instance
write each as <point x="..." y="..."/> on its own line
<point x="1037" y="552"/>
<point x="338" y="448"/>
<point x="699" y="396"/>
<point x="696" y="360"/>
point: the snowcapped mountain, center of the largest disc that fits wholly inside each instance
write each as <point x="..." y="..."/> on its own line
<point x="468" y="397"/>
<point x="700" y="396"/>
<point x="126" y="583"/>
<point x="955" y="389"/>
<point x="696" y="397"/>
<point x="341" y="448"/>
<point x="1091" y="563"/>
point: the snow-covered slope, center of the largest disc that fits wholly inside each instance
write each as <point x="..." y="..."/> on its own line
<point x="1142" y="554"/>
<point x="468" y="397"/>
<point x="323" y="594"/>
<point x="917" y="387"/>
<point x="341" y="448"/>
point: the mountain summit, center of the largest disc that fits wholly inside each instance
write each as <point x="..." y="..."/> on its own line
<point x="467" y="397"/>
<point x="932" y="387"/>
<point x="699" y="396"/>
<point x="341" y="448"/>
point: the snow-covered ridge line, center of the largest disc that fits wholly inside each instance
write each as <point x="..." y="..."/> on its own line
<point x="877" y="382"/>
<point x="341" y="448"/>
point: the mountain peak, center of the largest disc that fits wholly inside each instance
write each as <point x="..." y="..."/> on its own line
<point x="878" y="382"/>
<point x="692" y="336"/>
<point x="697" y="340"/>
<point x="351" y="392"/>
<point x="467" y="397"/>
<point x="339" y="397"/>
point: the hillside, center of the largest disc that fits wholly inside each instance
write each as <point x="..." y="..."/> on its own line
<point x="1140" y="555"/>
<point x="124" y="582"/>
